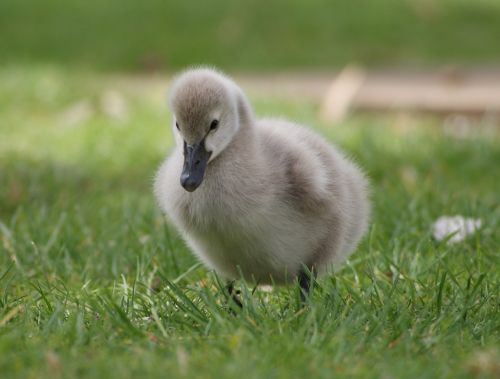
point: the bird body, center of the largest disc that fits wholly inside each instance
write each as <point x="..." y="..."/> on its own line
<point x="273" y="196"/>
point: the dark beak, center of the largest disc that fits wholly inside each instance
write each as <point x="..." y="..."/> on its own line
<point x="195" y="162"/>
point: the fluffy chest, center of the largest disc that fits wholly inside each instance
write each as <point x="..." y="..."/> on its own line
<point x="240" y="246"/>
<point x="212" y="212"/>
<point x="258" y="242"/>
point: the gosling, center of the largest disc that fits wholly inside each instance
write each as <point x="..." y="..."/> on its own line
<point x="263" y="199"/>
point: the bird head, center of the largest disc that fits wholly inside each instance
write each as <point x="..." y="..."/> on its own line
<point x="205" y="120"/>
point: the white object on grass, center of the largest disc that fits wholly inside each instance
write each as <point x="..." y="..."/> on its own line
<point x="458" y="227"/>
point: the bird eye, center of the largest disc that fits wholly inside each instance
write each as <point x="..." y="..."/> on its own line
<point x="177" y="125"/>
<point x="214" y="124"/>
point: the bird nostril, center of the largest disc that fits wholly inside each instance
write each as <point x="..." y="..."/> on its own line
<point x="197" y="162"/>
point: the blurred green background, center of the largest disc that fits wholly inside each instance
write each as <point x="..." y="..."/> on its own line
<point x="250" y="35"/>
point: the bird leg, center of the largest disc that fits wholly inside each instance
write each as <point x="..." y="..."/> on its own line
<point x="305" y="278"/>
<point x="233" y="294"/>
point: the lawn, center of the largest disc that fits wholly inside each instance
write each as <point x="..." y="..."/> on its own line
<point x="94" y="283"/>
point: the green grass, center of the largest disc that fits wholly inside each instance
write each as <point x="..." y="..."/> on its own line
<point x="93" y="283"/>
<point x="263" y="34"/>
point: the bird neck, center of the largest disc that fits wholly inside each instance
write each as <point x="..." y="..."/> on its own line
<point x="245" y="114"/>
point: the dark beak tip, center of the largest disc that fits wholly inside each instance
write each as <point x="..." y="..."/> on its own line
<point x="190" y="187"/>
<point x="188" y="184"/>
